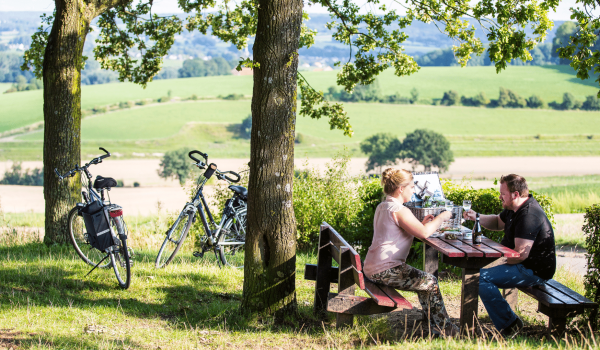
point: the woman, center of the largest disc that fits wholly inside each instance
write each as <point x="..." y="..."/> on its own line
<point x="395" y="226"/>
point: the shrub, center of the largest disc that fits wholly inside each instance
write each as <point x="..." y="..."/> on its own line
<point x="120" y="183"/>
<point x="334" y="197"/>
<point x="414" y="95"/>
<point x="487" y="201"/>
<point x="246" y="127"/>
<point x="299" y="138"/>
<point x="591" y="229"/>
<point x="450" y="98"/>
<point x="97" y="110"/>
<point x="163" y="99"/>
<point x="233" y="97"/>
<point x="477" y="101"/>
<point x="535" y="102"/>
<point x="510" y="99"/>
<point x="175" y="164"/>
<point x="591" y="103"/>
<point x="569" y="102"/>
<point x="136" y="184"/>
<point x="126" y="104"/>
<point x="16" y="176"/>
<point x="194" y="97"/>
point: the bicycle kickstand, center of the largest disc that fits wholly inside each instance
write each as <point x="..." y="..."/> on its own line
<point x="98" y="264"/>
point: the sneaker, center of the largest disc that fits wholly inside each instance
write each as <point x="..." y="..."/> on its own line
<point x="513" y="329"/>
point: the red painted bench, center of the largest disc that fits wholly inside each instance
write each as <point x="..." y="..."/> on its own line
<point x="348" y="275"/>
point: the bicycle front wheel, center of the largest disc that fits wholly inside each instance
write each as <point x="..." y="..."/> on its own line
<point x="119" y="257"/>
<point x="232" y="240"/>
<point x="79" y="239"/>
<point x="174" y="240"/>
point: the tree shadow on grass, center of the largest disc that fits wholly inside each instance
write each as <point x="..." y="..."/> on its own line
<point x="565" y="69"/>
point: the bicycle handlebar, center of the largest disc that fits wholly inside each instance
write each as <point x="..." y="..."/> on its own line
<point x="77" y="168"/>
<point x="203" y="155"/>
<point x="230" y="179"/>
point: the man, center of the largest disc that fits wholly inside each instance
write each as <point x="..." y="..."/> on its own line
<point x="528" y="231"/>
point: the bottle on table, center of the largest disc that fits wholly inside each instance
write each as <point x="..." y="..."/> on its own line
<point x="477" y="231"/>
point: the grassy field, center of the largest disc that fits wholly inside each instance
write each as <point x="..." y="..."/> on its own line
<point x="157" y="128"/>
<point x="47" y="303"/>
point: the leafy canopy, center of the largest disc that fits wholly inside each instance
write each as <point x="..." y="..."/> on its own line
<point x="375" y="40"/>
<point x="382" y="149"/>
<point x="427" y="148"/>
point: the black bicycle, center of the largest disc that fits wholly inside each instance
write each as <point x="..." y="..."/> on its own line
<point x="226" y="239"/>
<point x="96" y="226"/>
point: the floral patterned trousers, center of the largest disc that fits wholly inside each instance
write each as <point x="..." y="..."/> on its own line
<point x="407" y="278"/>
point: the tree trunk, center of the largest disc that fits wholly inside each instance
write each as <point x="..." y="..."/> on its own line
<point x="270" y="263"/>
<point x="62" y="114"/>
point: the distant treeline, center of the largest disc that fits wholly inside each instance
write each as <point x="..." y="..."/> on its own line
<point x="506" y="99"/>
<point x="92" y="74"/>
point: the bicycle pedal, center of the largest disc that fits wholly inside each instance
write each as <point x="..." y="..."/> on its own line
<point x="198" y="254"/>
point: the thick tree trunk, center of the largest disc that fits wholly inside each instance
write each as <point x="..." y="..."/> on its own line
<point x="270" y="265"/>
<point x="62" y="113"/>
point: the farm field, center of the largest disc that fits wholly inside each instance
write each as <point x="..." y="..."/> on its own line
<point x="211" y="124"/>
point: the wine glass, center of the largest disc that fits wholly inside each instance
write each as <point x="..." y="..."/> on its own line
<point x="466" y="205"/>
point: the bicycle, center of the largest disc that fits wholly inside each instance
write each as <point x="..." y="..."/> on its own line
<point x="226" y="239"/>
<point x="97" y="228"/>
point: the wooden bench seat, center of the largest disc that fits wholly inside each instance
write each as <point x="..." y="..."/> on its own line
<point x="556" y="301"/>
<point x="348" y="275"/>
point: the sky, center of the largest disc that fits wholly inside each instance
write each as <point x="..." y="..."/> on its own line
<point x="170" y="6"/>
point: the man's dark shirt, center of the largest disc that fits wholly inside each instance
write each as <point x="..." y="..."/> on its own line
<point x="530" y="222"/>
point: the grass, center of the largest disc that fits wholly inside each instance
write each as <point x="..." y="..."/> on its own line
<point x="571" y="194"/>
<point x="208" y="125"/>
<point x="548" y="82"/>
<point x="47" y="303"/>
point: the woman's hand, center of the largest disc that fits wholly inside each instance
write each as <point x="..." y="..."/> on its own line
<point x="445" y="215"/>
<point x="428" y="218"/>
<point x="469" y="215"/>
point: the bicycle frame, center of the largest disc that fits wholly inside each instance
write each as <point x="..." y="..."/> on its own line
<point x="199" y="206"/>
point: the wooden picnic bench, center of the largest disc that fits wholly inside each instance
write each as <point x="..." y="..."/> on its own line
<point x="348" y="275"/>
<point x="555" y="300"/>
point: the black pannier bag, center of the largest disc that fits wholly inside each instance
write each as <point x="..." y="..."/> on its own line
<point x="95" y="216"/>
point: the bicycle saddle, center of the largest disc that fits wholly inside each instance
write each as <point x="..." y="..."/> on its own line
<point x="104" y="182"/>
<point x="241" y="190"/>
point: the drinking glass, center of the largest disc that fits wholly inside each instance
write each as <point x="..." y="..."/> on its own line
<point x="466" y="205"/>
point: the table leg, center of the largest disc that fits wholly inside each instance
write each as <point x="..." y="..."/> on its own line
<point x="430" y="260"/>
<point x="469" y="299"/>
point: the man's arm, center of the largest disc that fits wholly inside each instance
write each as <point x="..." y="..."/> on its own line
<point x="523" y="247"/>
<point x="491" y="222"/>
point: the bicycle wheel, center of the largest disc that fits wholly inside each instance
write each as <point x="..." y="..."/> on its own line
<point x="79" y="240"/>
<point x="232" y="240"/>
<point x="174" y="240"/>
<point x="119" y="258"/>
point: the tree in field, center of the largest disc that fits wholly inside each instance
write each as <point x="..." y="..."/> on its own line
<point x="56" y="56"/>
<point x="382" y="149"/>
<point x="427" y="148"/>
<point x="562" y="38"/>
<point x="175" y="164"/>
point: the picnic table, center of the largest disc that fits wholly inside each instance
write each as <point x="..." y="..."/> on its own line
<point x="471" y="258"/>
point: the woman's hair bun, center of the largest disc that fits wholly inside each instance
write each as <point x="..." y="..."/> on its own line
<point x="392" y="179"/>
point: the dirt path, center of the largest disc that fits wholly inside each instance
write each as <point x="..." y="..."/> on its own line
<point x="143" y="200"/>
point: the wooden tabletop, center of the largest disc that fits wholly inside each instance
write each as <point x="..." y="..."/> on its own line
<point x="457" y="248"/>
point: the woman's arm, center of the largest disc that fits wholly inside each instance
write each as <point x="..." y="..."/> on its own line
<point x="410" y="224"/>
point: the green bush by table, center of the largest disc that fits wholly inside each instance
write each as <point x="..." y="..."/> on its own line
<point x="591" y="229"/>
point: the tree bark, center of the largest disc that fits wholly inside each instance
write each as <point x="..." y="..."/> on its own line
<point x="270" y="262"/>
<point x="62" y="113"/>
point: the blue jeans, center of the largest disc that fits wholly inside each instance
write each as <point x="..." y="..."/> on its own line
<point x="503" y="276"/>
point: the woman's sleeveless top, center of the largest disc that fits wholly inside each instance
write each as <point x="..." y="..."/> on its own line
<point x="391" y="243"/>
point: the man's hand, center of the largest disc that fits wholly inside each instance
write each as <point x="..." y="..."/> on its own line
<point x="469" y="215"/>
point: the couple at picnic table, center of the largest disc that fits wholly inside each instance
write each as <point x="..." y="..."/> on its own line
<point x="527" y="230"/>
